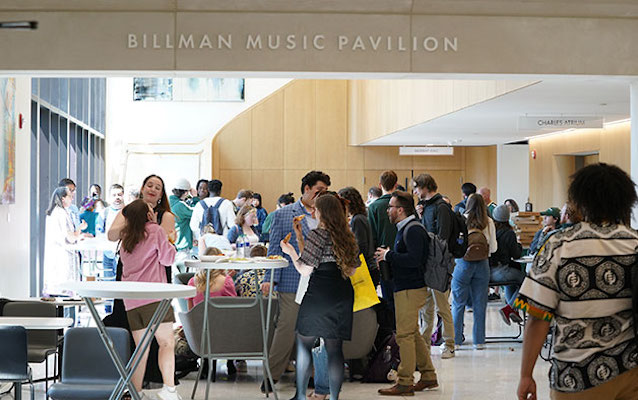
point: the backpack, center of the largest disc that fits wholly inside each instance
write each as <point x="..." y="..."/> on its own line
<point x="458" y="239"/>
<point x="211" y="216"/>
<point x="457" y="242"/>
<point x="477" y="247"/>
<point x="439" y="265"/>
<point x="385" y="360"/>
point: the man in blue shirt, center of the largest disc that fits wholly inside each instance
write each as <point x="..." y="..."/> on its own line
<point x="287" y="279"/>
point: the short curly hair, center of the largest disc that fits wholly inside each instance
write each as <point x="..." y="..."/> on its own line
<point x="603" y="193"/>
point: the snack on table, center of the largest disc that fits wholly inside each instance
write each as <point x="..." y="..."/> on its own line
<point x="287" y="238"/>
<point x="298" y="218"/>
<point x="275" y="258"/>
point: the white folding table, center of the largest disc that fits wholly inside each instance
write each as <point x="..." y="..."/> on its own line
<point x="47" y="323"/>
<point x="164" y="292"/>
<point x="265" y="318"/>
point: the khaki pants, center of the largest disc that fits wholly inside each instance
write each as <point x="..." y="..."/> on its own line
<point x="439" y="301"/>
<point x="412" y="347"/>
<point x="283" y="341"/>
<point x="622" y="387"/>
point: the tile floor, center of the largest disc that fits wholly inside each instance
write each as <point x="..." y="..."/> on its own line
<point x="488" y="374"/>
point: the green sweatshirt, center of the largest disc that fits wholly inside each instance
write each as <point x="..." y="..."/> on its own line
<point x="183" y="215"/>
<point x="383" y="231"/>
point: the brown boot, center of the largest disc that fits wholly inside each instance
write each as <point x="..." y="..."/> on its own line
<point x="398" y="390"/>
<point x="426" y="385"/>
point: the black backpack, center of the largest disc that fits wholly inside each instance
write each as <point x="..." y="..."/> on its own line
<point x="458" y="238"/>
<point x="211" y="216"/>
<point x="386" y="358"/>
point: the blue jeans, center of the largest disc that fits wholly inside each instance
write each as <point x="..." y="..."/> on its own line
<point x="320" y="362"/>
<point x="505" y="273"/>
<point x="109" y="265"/>
<point x="470" y="279"/>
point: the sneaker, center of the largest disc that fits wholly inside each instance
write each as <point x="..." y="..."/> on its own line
<point x="505" y="314"/>
<point x="493" y="297"/>
<point x="167" y="394"/>
<point x="479" y="346"/>
<point x="447" y="353"/>
<point x="457" y="347"/>
<point x="515" y="317"/>
<point x="426" y="385"/>
<point x="398" y="390"/>
<point x="241" y="366"/>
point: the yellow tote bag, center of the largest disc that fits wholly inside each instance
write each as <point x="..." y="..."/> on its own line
<point x="365" y="294"/>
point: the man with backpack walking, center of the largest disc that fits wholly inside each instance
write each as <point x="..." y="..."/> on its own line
<point x="406" y="261"/>
<point x="437" y="217"/>
<point x="214" y="210"/>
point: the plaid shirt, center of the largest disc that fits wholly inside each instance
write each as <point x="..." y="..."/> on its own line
<point x="286" y="279"/>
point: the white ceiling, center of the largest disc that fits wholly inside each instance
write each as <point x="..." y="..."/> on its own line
<point x="496" y="121"/>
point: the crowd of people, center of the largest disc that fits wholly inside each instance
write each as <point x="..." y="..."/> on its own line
<point x="581" y="277"/>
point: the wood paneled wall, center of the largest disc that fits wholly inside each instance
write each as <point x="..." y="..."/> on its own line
<point x="549" y="172"/>
<point x="304" y="126"/>
<point x="380" y="107"/>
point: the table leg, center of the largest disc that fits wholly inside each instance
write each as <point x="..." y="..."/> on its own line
<point x="147" y="338"/>
<point x="125" y="372"/>
<point x="18" y="390"/>
<point x="205" y="344"/>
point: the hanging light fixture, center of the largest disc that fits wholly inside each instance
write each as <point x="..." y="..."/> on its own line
<point x="20" y="25"/>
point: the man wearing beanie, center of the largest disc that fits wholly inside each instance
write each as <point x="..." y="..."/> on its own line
<point x="502" y="266"/>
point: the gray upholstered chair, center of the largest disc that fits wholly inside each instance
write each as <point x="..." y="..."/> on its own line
<point x="364" y="331"/>
<point x="40" y="343"/>
<point x="231" y="330"/>
<point x="14" y="366"/>
<point x="87" y="369"/>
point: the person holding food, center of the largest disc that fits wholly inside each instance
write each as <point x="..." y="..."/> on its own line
<point x="287" y="279"/>
<point x="330" y="256"/>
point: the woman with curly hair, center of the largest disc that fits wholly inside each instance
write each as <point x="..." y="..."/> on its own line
<point x="330" y="256"/>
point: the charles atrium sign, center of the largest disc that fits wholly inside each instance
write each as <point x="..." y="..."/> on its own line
<point x="318" y="42"/>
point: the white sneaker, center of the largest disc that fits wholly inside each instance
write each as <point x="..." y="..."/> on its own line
<point x="167" y="394"/>
<point x="479" y="346"/>
<point x="447" y="353"/>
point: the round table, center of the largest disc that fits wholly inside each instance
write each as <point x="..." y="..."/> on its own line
<point x="164" y="292"/>
<point x="91" y="247"/>
<point x="245" y="265"/>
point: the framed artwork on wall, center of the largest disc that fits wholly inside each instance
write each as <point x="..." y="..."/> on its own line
<point x="188" y="89"/>
<point x="7" y="140"/>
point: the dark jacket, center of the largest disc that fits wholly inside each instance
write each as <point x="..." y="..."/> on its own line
<point x="437" y="217"/>
<point x="460" y="206"/>
<point x="508" y="249"/>
<point x="407" y="258"/>
<point x="363" y="234"/>
<point x="383" y="231"/>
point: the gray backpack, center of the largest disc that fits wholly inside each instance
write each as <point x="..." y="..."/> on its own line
<point x="439" y="265"/>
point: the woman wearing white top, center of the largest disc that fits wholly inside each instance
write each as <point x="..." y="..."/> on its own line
<point x="60" y="263"/>
<point x="470" y="279"/>
<point x="211" y="239"/>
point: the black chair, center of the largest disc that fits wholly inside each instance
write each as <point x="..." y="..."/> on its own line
<point x="87" y="369"/>
<point x="40" y="343"/>
<point x="14" y="366"/>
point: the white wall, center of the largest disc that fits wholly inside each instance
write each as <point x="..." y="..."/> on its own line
<point x="14" y="218"/>
<point x="168" y="127"/>
<point x="512" y="173"/>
